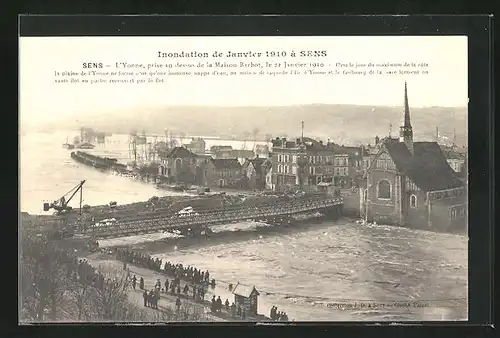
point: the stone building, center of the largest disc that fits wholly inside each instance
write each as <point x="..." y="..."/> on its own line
<point x="411" y="184"/>
<point x="227" y="173"/>
<point x="303" y="163"/>
<point x="183" y="166"/>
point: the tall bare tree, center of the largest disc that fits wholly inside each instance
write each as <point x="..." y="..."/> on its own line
<point x="109" y="299"/>
<point x="79" y="293"/>
<point x="43" y="277"/>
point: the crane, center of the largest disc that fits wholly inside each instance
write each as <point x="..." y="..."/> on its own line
<point x="61" y="205"/>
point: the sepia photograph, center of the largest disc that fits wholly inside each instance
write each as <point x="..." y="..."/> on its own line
<point x="243" y="179"/>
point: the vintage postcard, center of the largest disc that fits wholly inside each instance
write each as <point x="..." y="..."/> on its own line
<point x="273" y="179"/>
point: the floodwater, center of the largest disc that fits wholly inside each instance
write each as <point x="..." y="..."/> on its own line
<point x="332" y="271"/>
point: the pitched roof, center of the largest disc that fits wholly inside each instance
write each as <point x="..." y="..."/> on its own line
<point x="179" y="152"/>
<point x="221" y="148"/>
<point x="204" y="155"/>
<point x="427" y="168"/>
<point x="244" y="290"/>
<point x="257" y="164"/>
<point x="226" y="163"/>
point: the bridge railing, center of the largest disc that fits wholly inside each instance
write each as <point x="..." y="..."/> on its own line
<point x="214" y="216"/>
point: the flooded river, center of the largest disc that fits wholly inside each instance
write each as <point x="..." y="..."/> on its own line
<point x="332" y="271"/>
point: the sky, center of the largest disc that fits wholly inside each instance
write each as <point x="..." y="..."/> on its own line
<point x="42" y="99"/>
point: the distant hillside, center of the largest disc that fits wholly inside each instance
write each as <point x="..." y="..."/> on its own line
<point x="347" y="124"/>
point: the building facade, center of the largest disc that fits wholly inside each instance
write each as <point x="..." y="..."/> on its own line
<point x="183" y="166"/>
<point x="411" y="184"/>
<point x="197" y="145"/>
<point x="221" y="151"/>
<point x="303" y="163"/>
<point x="227" y="173"/>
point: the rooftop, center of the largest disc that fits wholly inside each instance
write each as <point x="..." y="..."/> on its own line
<point x="428" y="167"/>
<point x="177" y="152"/>
<point x="244" y="290"/>
<point x="312" y="144"/>
<point x="226" y="163"/>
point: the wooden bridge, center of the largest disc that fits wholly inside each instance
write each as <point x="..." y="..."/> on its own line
<point x="200" y="219"/>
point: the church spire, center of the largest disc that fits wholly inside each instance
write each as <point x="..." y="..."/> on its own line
<point x="407" y="122"/>
<point x="406" y="131"/>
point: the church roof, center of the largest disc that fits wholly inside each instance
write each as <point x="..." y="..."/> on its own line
<point x="427" y="168"/>
<point x="179" y="152"/>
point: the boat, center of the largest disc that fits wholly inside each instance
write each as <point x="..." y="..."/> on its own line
<point x="68" y="145"/>
<point x="86" y="145"/>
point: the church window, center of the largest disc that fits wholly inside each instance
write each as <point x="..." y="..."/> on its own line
<point x="413" y="201"/>
<point x="384" y="189"/>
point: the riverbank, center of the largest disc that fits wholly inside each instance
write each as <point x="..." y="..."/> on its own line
<point x="200" y="309"/>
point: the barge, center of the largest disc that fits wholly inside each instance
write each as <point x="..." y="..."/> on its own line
<point x="95" y="161"/>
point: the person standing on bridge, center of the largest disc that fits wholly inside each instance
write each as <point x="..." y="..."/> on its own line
<point x="141" y="283"/>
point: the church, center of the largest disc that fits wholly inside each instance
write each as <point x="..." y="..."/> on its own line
<point x="411" y="184"/>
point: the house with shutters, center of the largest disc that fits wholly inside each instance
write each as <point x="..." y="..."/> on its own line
<point x="411" y="184"/>
<point x="226" y="173"/>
